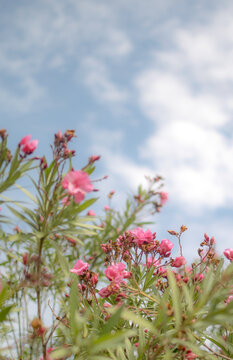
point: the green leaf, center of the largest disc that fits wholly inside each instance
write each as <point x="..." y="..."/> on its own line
<point x="72" y="237"/>
<point x="136" y="319"/>
<point x="129" y="349"/>
<point x="86" y="204"/>
<point x="73" y="305"/>
<point x="120" y="353"/>
<point x="62" y="259"/>
<point x="14" y="162"/>
<point x="26" y="192"/>
<point x="112" y="322"/>
<point x="175" y="298"/>
<point x="60" y="353"/>
<point x="21" y="216"/>
<point x="11" y="254"/>
<point x="4" y="312"/>
<point x="109" y="341"/>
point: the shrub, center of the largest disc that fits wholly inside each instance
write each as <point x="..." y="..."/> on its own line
<point x="113" y="289"/>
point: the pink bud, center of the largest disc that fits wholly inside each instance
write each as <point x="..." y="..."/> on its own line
<point x="163" y="197"/>
<point x="94" y="158"/>
<point x="59" y="135"/>
<point x="25" y="258"/>
<point x="229" y="254"/>
<point x="91" y="213"/>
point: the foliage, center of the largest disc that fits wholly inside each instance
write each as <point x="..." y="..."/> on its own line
<point x="109" y="286"/>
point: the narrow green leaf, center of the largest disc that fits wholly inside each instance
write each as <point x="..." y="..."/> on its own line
<point x="175" y="298"/>
<point x="136" y="319"/>
<point x="120" y="353"/>
<point x="26" y="192"/>
<point x="62" y="259"/>
<point x="21" y="216"/>
<point x="86" y="204"/>
<point x="129" y="349"/>
<point x="4" y="312"/>
<point x="112" y="322"/>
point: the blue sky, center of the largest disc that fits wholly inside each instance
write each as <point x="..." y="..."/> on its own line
<point x="146" y="84"/>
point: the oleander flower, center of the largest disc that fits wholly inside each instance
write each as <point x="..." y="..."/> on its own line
<point x="179" y="261"/>
<point x="142" y="237"/>
<point x="165" y="247"/>
<point x="78" y="184"/>
<point x="80" y="267"/>
<point x="28" y="146"/>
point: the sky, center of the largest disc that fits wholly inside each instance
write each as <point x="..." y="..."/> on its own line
<point x="148" y="85"/>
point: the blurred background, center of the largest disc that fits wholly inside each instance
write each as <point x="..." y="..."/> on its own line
<point x="148" y="85"/>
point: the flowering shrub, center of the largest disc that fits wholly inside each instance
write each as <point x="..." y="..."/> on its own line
<point x="112" y="289"/>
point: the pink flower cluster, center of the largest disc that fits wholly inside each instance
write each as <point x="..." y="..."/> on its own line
<point x="78" y="184"/>
<point x="28" y="146"/>
<point x="115" y="273"/>
<point x="143" y="237"/>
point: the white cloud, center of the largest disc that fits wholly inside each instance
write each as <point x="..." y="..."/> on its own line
<point x="188" y="96"/>
<point x="97" y="78"/>
<point x="167" y="97"/>
<point x="52" y="34"/>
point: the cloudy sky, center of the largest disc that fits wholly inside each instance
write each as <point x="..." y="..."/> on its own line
<point x="146" y="84"/>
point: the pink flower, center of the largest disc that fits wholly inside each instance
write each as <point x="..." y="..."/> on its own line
<point x="80" y="267"/>
<point x="106" y="208"/>
<point x="229" y="299"/>
<point x="91" y="213"/>
<point x="142" y="237"/>
<point x="115" y="272"/>
<point x="179" y="261"/>
<point x="165" y="247"/>
<point x="229" y="254"/>
<point x="199" y="277"/>
<point x="151" y="261"/>
<point x="163" y="197"/>
<point x="107" y="305"/>
<point x="28" y="146"/>
<point x="105" y="292"/>
<point x="78" y="184"/>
